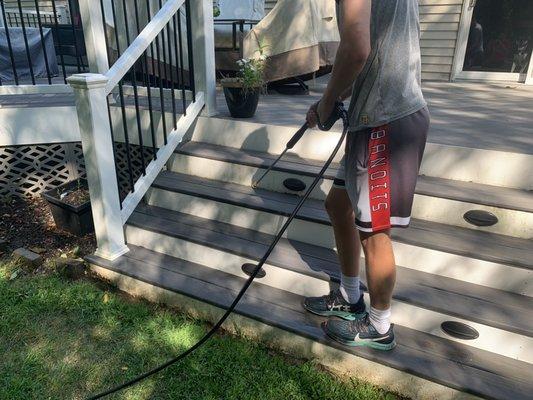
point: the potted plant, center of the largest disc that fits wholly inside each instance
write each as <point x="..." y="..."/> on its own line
<point x="242" y="93"/>
<point x="216" y="8"/>
<point x="70" y="205"/>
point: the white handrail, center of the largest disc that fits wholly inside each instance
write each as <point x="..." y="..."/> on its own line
<point x="141" y="43"/>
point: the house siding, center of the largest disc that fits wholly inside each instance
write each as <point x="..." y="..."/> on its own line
<point x="439" y="23"/>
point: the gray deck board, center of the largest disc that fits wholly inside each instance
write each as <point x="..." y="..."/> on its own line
<point x="456" y="240"/>
<point x="430" y="357"/>
<point x="476" y="303"/>
<point x="495" y="196"/>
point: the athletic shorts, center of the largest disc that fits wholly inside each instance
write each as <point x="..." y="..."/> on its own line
<point x="379" y="171"/>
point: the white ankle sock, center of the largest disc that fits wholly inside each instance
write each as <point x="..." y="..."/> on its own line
<point x="350" y="288"/>
<point x="380" y="319"/>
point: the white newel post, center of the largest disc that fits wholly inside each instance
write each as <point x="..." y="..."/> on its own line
<point x="204" y="52"/>
<point x="94" y="33"/>
<point x="95" y="129"/>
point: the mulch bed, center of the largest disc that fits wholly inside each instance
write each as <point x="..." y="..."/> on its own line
<point x="28" y="223"/>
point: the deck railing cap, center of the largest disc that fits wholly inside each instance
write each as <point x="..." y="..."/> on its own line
<point x="87" y="81"/>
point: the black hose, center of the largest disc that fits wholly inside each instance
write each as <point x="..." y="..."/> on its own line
<point x="341" y="113"/>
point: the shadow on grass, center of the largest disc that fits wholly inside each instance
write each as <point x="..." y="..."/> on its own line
<point x="61" y="339"/>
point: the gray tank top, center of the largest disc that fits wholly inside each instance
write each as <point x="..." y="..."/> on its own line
<point x="389" y="86"/>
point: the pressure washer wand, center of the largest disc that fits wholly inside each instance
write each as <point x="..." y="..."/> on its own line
<point x="290" y="144"/>
<point x="338" y="113"/>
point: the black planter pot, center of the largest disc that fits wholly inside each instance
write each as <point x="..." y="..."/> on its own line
<point x="76" y="220"/>
<point x="242" y="103"/>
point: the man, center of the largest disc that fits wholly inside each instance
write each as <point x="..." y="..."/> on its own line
<point x="378" y="62"/>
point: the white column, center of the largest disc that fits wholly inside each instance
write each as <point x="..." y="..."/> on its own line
<point x="95" y="129"/>
<point x="64" y="14"/>
<point x="529" y="76"/>
<point x="94" y="33"/>
<point x="204" y="52"/>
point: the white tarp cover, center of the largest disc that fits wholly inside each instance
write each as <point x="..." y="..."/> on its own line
<point x="295" y="25"/>
<point x="35" y="48"/>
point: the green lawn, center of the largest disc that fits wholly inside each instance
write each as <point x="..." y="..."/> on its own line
<point x="63" y="340"/>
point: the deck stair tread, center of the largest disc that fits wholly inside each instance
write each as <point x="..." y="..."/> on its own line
<point x="436" y="236"/>
<point x="470" y="192"/>
<point x="484" y="305"/>
<point x="437" y="359"/>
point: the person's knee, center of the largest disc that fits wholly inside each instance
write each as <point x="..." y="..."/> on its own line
<point x="374" y="242"/>
<point x="338" y="208"/>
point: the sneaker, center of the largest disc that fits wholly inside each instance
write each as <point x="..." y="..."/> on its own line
<point x="359" y="332"/>
<point x="334" y="305"/>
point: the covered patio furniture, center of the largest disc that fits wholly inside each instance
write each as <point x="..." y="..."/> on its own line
<point x="20" y="54"/>
<point x="300" y="36"/>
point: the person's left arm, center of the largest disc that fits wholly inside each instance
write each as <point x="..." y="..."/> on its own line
<point x="350" y="60"/>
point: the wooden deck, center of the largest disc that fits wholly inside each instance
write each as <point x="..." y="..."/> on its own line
<point x="490" y="116"/>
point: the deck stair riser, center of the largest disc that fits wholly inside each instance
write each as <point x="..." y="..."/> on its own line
<point x="426" y="206"/>
<point x="483" y="272"/>
<point x="487" y="167"/>
<point x="491" y="339"/>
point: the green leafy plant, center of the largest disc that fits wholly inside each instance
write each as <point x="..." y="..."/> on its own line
<point x="251" y="72"/>
<point x="216" y="9"/>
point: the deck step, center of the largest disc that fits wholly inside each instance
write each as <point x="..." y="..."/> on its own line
<point x="455" y="240"/>
<point x="474" y="303"/>
<point x="426" y="356"/>
<point x="438" y="200"/>
<point x="469" y="192"/>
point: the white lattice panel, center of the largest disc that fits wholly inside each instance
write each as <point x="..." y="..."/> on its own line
<point x="30" y="170"/>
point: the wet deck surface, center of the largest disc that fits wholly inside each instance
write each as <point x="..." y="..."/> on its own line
<point x="495" y="116"/>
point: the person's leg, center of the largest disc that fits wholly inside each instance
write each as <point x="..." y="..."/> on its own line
<point x="374" y="329"/>
<point x="380" y="275"/>
<point x="347" y="302"/>
<point x="342" y="216"/>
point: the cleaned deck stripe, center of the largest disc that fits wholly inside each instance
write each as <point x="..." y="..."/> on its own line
<point x="451" y="239"/>
<point x="469" y="192"/>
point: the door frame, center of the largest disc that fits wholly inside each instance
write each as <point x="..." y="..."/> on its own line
<point x="460" y="53"/>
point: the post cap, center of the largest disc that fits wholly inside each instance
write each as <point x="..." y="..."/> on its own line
<point x="87" y="81"/>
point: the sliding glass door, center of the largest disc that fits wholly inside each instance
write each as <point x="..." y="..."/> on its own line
<point x="497" y="40"/>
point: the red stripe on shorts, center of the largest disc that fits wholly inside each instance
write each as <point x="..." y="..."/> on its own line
<point x="379" y="178"/>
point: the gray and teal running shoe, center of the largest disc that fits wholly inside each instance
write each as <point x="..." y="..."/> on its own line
<point x="359" y="332"/>
<point x="334" y="305"/>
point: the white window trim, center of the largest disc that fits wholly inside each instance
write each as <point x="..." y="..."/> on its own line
<point x="460" y="52"/>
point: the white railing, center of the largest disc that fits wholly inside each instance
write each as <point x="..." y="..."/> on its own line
<point x="92" y="91"/>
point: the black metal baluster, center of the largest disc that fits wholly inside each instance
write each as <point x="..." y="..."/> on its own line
<point x="181" y="66"/>
<point x="152" y="56"/>
<point x="161" y="92"/>
<point x="190" y="51"/>
<point x="102" y="11"/>
<point x="148" y="84"/>
<point x="56" y="24"/>
<point x="45" y="53"/>
<point x="9" y="46"/>
<point x="135" y="92"/>
<point x="27" y="46"/>
<point x="164" y="48"/>
<point x="122" y="106"/>
<point x="74" y="33"/>
<point x="171" y="70"/>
